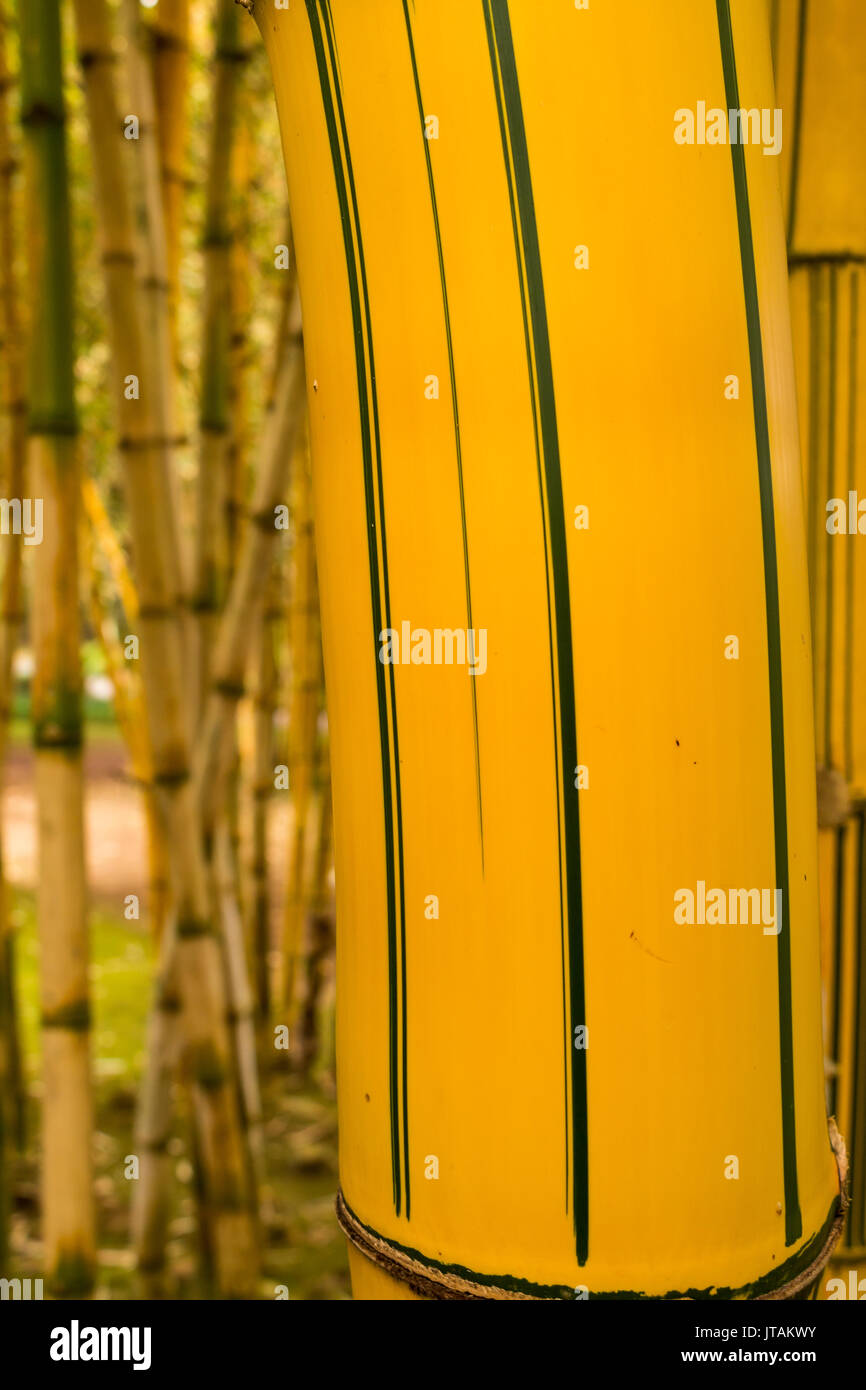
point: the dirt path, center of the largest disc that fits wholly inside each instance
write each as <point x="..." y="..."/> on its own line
<point x="115" y="827"/>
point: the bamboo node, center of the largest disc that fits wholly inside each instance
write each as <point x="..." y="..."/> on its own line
<point x="74" y="1017"/>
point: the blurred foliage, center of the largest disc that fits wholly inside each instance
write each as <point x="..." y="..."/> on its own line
<point x="302" y="1244"/>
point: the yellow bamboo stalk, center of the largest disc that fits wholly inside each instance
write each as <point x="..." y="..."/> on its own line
<point x="128" y="694"/>
<point x="820" y="63"/>
<point x="526" y="1008"/>
<point x="108" y="543"/>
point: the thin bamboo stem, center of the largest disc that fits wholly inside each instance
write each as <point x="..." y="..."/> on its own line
<point x="67" y="1197"/>
<point x="211" y="556"/>
<point x="168" y="24"/>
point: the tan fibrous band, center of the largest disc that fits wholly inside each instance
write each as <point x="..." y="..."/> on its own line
<point x="430" y="1282"/>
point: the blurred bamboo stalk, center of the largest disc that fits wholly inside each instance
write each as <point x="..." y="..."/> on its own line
<point x="264" y="696"/>
<point x="234" y="488"/>
<point x="67" y="1185"/>
<point x="283" y="421"/>
<point x="148" y="242"/>
<point x="211" y="560"/>
<point x="824" y="186"/>
<point x="14" y="399"/>
<point x="128" y="693"/>
<point x="306" y="680"/>
<point x="168" y="25"/>
<point x="320" y="942"/>
<point x="11" y="617"/>
<point x="240" y="994"/>
<point x="190" y="958"/>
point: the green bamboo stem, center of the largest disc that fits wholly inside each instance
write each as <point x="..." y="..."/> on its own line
<point x="67" y="1200"/>
<point x="15" y="440"/>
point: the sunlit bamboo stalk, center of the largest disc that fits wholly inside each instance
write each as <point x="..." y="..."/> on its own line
<point x="522" y="1005"/>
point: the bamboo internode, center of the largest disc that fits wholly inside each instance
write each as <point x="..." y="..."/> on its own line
<point x="529" y="415"/>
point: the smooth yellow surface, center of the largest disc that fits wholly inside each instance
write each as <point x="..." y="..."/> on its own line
<point x="683" y="1062"/>
<point x="372" y="1284"/>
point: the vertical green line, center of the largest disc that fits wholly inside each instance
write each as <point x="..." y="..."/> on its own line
<point x="829" y="538"/>
<point x="814" y="498"/>
<point x="365" y="371"/>
<point x="802" y="21"/>
<point x="774" y="32"/>
<point x="851" y="547"/>
<point x="446" y="310"/>
<point x="793" y="1219"/>
<point x="504" y="69"/>
<point x="839" y="844"/>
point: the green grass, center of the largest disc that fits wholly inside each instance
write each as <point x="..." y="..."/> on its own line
<point x="120" y="973"/>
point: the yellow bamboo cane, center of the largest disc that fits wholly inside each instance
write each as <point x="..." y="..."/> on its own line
<point x="566" y="632"/>
<point x="820" y="62"/>
<point x="129" y="706"/>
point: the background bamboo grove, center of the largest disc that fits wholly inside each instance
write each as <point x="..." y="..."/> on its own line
<point x="434" y="910"/>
